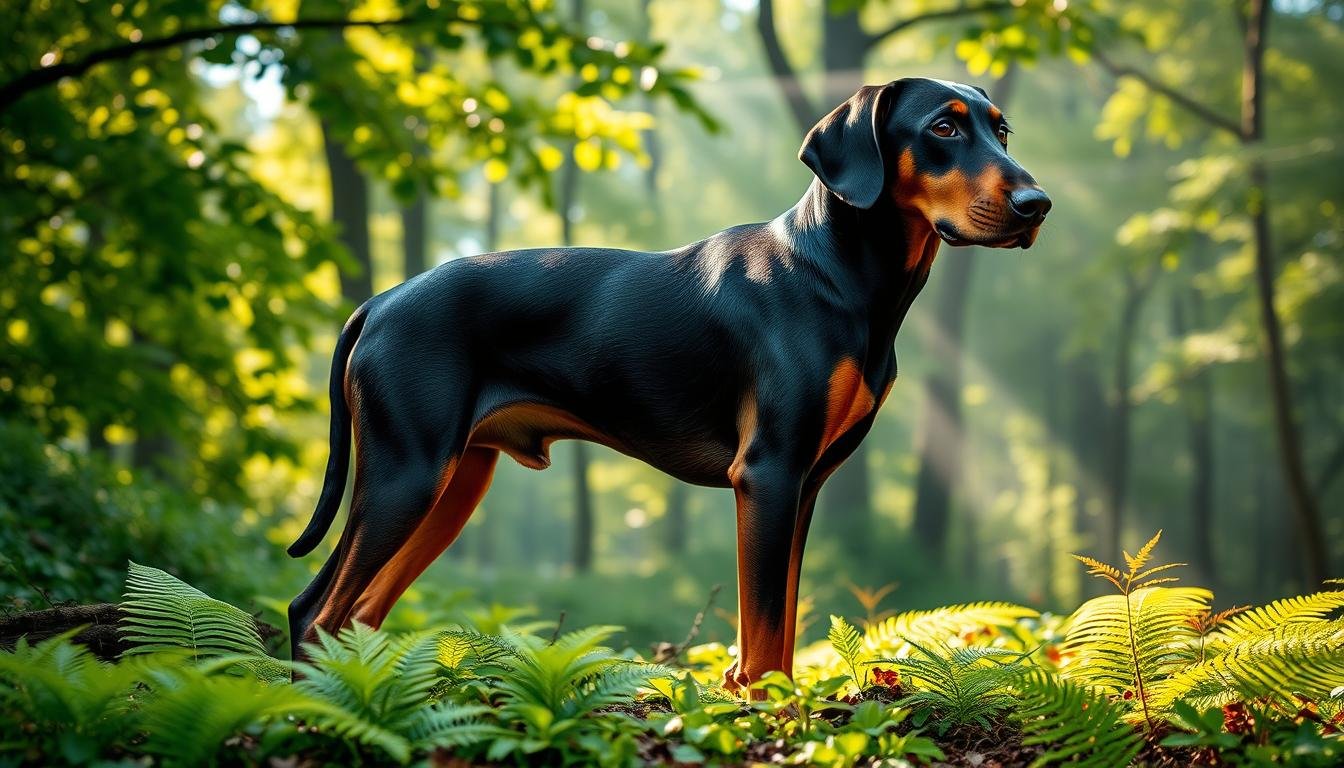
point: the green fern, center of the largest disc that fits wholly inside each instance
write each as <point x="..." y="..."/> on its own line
<point x="547" y="688"/>
<point x="1282" y="664"/>
<point x="192" y="711"/>
<point x="561" y="677"/>
<point x="848" y="645"/>
<point x="958" y="685"/>
<point x="1115" y="640"/>
<point x="1138" y="637"/>
<point x="60" y="694"/>
<point x="936" y="627"/>
<point x="463" y="650"/>
<point x="161" y="612"/>
<point x="1075" y="725"/>
<point x="1257" y="622"/>
<point x="372" y="688"/>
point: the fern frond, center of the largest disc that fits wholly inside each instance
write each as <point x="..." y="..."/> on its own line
<point x="60" y="687"/>
<point x="190" y="713"/>
<point x="1157" y="569"/>
<point x="936" y="627"/>
<point x="566" y="678"/>
<point x="1268" y="618"/>
<point x="1156" y="582"/>
<point x="1298" y="659"/>
<point x="616" y="683"/>
<point x="377" y="689"/>
<point x="962" y="685"/>
<point x="1076" y="725"/>
<point x="848" y="645"/>
<point x="1104" y="570"/>
<point x="161" y="612"/>
<point x="1145" y="552"/>
<point x="586" y="639"/>
<point x="1101" y="648"/>
<point x="466" y="649"/>
<point x="448" y="726"/>
<point x="349" y="725"/>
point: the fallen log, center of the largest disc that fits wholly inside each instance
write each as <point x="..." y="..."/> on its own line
<point x="99" y="628"/>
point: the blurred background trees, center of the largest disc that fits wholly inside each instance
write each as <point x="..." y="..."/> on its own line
<point x="195" y="195"/>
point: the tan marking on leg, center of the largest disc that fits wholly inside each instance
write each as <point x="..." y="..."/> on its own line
<point x="463" y="486"/>
<point x="760" y="643"/>
<point x="800" y="527"/>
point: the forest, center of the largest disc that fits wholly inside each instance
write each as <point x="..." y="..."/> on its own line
<point x="1097" y="519"/>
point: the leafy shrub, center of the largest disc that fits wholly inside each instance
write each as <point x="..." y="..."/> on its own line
<point x="52" y="498"/>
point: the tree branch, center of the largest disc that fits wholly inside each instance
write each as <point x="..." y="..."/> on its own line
<point x="1198" y="108"/>
<point x="799" y="105"/>
<point x="946" y="13"/>
<point x="32" y="80"/>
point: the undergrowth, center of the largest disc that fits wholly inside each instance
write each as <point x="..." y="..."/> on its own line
<point x="1149" y="675"/>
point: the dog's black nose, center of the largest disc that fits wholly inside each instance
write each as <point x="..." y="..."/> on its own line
<point x="1029" y="203"/>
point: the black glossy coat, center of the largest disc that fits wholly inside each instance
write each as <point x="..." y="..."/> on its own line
<point x="755" y="359"/>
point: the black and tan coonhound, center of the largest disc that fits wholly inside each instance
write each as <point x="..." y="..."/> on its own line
<point x="755" y="359"/>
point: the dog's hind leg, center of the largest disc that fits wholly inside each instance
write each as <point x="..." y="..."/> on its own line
<point x="303" y="609"/>
<point x="392" y="497"/>
<point x="462" y="492"/>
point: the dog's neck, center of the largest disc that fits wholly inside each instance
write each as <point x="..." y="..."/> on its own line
<point x="874" y="261"/>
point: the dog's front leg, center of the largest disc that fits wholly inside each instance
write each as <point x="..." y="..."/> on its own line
<point x="767" y="491"/>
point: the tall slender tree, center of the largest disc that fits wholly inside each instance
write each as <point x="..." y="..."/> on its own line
<point x="1253" y="17"/>
<point x="585" y="523"/>
<point x="350" y="211"/>
<point x="1187" y="313"/>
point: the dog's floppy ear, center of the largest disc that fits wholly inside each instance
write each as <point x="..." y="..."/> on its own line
<point x="844" y="150"/>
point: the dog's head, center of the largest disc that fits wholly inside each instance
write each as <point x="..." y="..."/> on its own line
<point x="935" y="150"/>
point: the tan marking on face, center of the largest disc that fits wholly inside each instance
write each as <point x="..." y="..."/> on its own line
<point x="994" y="113"/>
<point x="975" y="206"/>
<point x="848" y="400"/>
<point x="958" y="107"/>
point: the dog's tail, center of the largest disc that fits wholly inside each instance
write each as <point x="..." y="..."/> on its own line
<point x="338" y="463"/>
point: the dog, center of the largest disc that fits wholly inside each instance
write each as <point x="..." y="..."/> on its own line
<point x="755" y="359"/>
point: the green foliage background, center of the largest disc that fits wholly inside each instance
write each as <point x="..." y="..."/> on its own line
<point x="171" y="284"/>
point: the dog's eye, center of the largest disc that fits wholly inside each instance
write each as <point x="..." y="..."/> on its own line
<point x="1003" y="135"/>
<point x="944" y="129"/>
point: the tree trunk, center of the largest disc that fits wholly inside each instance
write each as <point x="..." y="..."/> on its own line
<point x="350" y="211"/>
<point x="675" y="520"/>
<point x="1118" y="453"/>
<point x="941" y="429"/>
<point x="1197" y="404"/>
<point x="1049" y="543"/>
<point x="1087" y="444"/>
<point x="1310" y="536"/>
<point x="414" y="240"/>
<point x="585" y="526"/>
